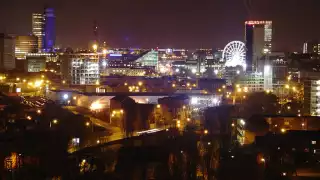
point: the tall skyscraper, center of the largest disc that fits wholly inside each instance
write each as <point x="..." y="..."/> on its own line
<point x="7" y="56"/>
<point x="49" y="29"/>
<point x="38" y="29"/>
<point x="258" y="38"/>
<point x="24" y="45"/>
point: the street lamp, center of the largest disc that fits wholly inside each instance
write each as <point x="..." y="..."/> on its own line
<point x="65" y="96"/>
<point x="55" y="121"/>
<point x="95" y="47"/>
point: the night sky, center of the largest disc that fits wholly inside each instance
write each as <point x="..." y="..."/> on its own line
<point x="167" y="23"/>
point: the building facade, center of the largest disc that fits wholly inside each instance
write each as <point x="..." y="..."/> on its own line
<point x="7" y="52"/>
<point x="24" y="45"/>
<point x="144" y="64"/>
<point x="253" y="82"/>
<point x="49" y="30"/>
<point x="81" y="68"/>
<point x="38" y="28"/>
<point x="36" y="64"/>
<point x="311" y="47"/>
<point x="258" y="38"/>
<point x="312" y="97"/>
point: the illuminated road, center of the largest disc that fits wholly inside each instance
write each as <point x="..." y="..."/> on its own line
<point x="115" y="132"/>
<point x="94" y="120"/>
<point x="309" y="173"/>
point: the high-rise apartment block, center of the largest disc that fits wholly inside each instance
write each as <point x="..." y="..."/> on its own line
<point x="258" y="39"/>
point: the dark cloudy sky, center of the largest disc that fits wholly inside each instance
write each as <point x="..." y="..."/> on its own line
<point x="167" y="23"/>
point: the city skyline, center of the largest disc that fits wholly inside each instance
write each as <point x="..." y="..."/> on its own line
<point x="166" y="24"/>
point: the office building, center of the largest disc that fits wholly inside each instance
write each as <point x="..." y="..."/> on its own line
<point x="258" y="39"/>
<point x="252" y="82"/>
<point x="7" y="55"/>
<point x="311" y="47"/>
<point x="81" y="68"/>
<point x="143" y="64"/>
<point x="268" y="77"/>
<point x="24" y="45"/>
<point x="36" y="63"/>
<point x="311" y="97"/>
<point x="49" y="30"/>
<point x="38" y="28"/>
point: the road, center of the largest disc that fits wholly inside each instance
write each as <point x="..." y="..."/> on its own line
<point x="308" y="173"/>
<point x="116" y="132"/>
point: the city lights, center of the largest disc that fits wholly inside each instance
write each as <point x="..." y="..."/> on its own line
<point x="95" y="47"/>
<point x="38" y="83"/>
<point x="96" y="106"/>
<point x="234" y="54"/>
<point x="65" y="96"/>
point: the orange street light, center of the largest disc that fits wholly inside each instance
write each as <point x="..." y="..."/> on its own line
<point x="95" y="47"/>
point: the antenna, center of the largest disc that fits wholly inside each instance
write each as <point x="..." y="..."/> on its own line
<point x="248" y="6"/>
<point x="95" y="31"/>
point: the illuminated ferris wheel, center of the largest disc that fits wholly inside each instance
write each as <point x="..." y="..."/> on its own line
<point x="234" y="54"/>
